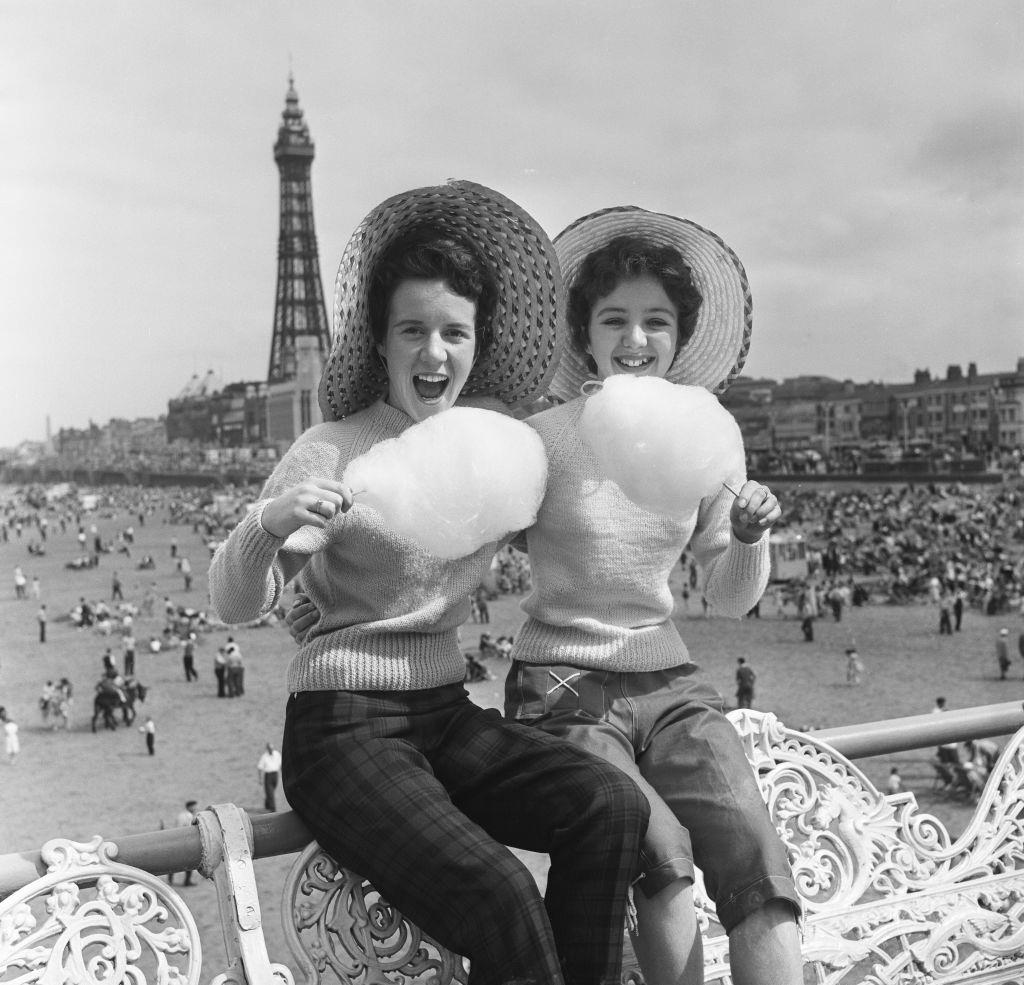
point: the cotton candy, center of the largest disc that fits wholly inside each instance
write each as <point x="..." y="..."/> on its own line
<point x="455" y="481"/>
<point x="666" y="445"/>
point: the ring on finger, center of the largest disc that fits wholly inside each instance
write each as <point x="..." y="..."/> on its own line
<point x="317" y="505"/>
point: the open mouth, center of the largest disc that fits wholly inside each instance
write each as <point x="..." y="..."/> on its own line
<point x="633" y="364"/>
<point x="430" y="386"/>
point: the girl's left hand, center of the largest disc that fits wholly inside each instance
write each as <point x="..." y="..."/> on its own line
<point x="753" y="511"/>
<point x="301" y="617"/>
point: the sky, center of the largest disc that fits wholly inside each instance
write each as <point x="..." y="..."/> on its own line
<point x="864" y="158"/>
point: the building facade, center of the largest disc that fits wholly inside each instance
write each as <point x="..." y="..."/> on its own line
<point x="960" y="415"/>
<point x="291" y="406"/>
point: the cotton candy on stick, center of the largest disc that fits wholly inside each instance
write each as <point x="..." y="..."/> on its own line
<point x="455" y="481"/>
<point x="666" y="445"/>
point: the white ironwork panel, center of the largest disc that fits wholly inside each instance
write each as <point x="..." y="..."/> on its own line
<point x="93" y="921"/>
<point x="342" y="930"/>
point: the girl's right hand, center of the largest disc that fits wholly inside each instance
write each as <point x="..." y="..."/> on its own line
<point x="311" y="503"/>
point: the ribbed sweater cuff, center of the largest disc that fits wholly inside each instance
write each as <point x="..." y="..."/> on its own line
<point x="255" y="542"/>
<point x="236" y="595"/>
<point x="744" y="568"/>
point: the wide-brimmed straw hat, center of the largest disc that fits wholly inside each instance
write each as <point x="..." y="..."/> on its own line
<point x="525" y="345"/>
<point x="714" y="355"/>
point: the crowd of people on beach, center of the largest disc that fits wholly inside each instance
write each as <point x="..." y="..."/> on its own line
<point x="891" y="540"/>
<point x="918" y="543"/>
<point x="956" y="547"/>
<point x="94" y="524"/>
<point x="850" y="461"/>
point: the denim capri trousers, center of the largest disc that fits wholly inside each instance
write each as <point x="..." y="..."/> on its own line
<point x="668" y="731"/>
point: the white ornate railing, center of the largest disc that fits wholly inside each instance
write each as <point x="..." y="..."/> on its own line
<point x="343" y="930"/>
<point x="92" y="919"/>
<point x="890" y="898"/>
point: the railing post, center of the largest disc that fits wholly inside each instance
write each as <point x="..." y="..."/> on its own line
<point x="227" y="859"/>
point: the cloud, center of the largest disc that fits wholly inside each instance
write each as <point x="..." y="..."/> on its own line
<point x="864" y="160"/>
<point x="978" y="155"/>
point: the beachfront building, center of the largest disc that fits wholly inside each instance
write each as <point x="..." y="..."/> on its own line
<point x="962" y="415"/>
<point x="978" y="411"/>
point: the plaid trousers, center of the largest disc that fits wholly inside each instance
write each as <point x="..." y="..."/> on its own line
<point x="420" y="792"/>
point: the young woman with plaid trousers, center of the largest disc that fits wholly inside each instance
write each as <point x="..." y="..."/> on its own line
<point x="397" y="773"/>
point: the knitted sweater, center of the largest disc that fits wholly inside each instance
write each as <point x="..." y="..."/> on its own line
<point x="600" y="564"/>
<point x="389" y="611"/>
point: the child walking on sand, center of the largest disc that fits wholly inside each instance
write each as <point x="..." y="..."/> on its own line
<point x="12" y="745"/>
<point x="149" y="730"/>
<point x="854" y="666"/>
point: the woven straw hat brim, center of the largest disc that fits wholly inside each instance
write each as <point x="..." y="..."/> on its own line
<point x="525" y="343"/>
<point x="714" y="355"/>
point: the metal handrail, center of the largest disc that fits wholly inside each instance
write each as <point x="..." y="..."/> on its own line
<point x="180" y="849"/>
<point x="921" y="731"/>
<point x="168" y="850"/>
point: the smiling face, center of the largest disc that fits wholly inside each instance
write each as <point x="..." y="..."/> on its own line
<point x="633" y="330"/>
<point x="429" y="346"/>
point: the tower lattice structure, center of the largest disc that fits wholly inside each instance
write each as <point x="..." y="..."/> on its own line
<point x="299" y="308"/>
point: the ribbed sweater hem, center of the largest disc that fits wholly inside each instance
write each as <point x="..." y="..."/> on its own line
<point x="358" y="659"/>
<point x="621" y="649"/>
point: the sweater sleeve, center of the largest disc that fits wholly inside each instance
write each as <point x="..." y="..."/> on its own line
<point x="249" y="570"/>
<point x="245" y="580"/>
<point x="735" y="574"/>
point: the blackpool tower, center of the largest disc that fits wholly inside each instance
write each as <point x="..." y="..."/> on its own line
<point x="300" y="317"/>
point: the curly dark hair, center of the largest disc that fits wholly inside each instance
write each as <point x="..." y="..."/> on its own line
<point x="624" y="258"/>
<point x="431" y="253"/>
